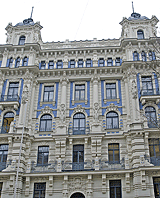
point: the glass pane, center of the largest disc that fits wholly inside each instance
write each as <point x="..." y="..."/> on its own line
<point x="81" y="156"/>
<point x="49" y="125"/>
<point x="75" y="156"/>
<point x="110" y="154"/>
<point x="45" y="96"/>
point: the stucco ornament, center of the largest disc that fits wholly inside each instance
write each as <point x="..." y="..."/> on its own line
<point x="77" y="184"/>
<point x="62" y="113"/>
<point x="25" y="94"/>
<point x="134" y="89"/>
<point x="96" y="109"/>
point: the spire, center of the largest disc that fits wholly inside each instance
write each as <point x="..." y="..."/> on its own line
<point x="132" y="7"/>
<point x="134" y="14"/>
<point x="31" y="12"/>
<point x="29" y="20"/>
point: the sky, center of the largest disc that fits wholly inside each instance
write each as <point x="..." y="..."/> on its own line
<point x="75" y="19"/>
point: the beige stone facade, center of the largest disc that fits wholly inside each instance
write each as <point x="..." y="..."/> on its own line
<point x="80" y="118"/>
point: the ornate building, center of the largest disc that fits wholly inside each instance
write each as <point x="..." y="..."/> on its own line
<point x="80" y="118"/>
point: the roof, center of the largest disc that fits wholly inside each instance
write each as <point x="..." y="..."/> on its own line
<point x="25" y="22"/>
<point x="137" y="16"/>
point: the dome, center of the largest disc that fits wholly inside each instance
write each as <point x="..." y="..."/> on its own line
<point x="137" y="16"/>
<point x="28" y="21"/>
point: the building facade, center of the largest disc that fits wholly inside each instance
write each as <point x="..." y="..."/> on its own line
<point x="79" y="119"/>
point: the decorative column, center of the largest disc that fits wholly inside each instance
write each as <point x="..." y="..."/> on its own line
<point x="4" y="60"/>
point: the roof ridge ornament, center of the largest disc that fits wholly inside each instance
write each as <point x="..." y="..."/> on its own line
<point x="31" y="12"/>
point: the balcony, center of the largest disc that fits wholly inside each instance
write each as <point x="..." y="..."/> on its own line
<point x="150" y="94"/>
<point x="78" y="166"/>
<point x="78" y="130"/>
<point x="9" y="100"/>
<point x="39" y="168"/>
<point x="112" y="165"/>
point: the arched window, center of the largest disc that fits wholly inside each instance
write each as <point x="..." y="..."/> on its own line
<point x="150" y="114"/>
<point x="112" y="120"/>
<point x="77" y="195"/>
<point x="79" y="123"/>
<point x="151" y="56"/>
<point x="7" y="119"/>
<point x="143" y="56"/>
<point x="25" y="61"/>
<point x="140" y="34"/>
<point x="10" y="62"/>
<point x="22" y="40"/>
<point x="17" y="62"/>
<point x="135" y="56"/>
<point x="46" y="123"/>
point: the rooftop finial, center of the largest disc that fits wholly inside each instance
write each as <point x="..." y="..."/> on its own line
<point x="32" y="12"/>
<point x="132" y="7"/>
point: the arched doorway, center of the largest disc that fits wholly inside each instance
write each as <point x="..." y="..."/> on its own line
<point x="77" y="195"/>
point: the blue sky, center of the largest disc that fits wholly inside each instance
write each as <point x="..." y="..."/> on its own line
<point x="75" y="19"/>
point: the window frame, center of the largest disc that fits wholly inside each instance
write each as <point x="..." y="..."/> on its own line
<point x="80" y="130"/>
<point x="18" y="60"/>
<point x="113" y="149"/>
<point x="144" y="57"/>
<point x="140" y="34"/>
<point x="50" y="65"/>
<point x="109" y="62"/>
<point x="25" y="61"/>
<point x="22" y="40"/>
<point x="72" y="65"/>
<point x="115" y="188"/>
<point x="10" y="63"/>
<point x="2" y="155"/>
<point x="39" y="190"/>
<point x="113" y="119"/>
<point x="135" y="54"/>
<point x="89" y="64"/>
<point x="78" y="165"/>
<point x="58" y="64"/>
<point x="149" y="122"/>
<point x="100" y="64"/>
<point x="13" y="81"/>
<point x="153" y="82"/>
<point x="118" y="61"/>
<point x="6" y="126"/>
<point x="80" y="63"/>
<point x="46" y="122"/>
<point x="43" y="65"/>
<point x="117" y="99"/>
<point x="73" y="94"/>
<point x="42" y="154"/>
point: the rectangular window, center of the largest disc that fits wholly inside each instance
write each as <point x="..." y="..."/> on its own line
<point x="109" y="62"/>
<point x="113" y="153"/>
<point x="1" y="184"/>
<point x="51" y="65"/>
<point x="48" y="94"/>
<point x="147" y="86"/>
<point x="101" y="62"/>
<point x="39" y="190"/>
<point x="78" y="157"/>
<point x="43" y="152"/>
<point x="79" y="92"/>
<point x="118" y="61"/>
<point x="88" y="63"/>
<point x="80" y="63"/>
<point x="13" y="90"/>
<point x="72" y="63"/>
<point x="43" y="64"/>
<point x="154" y="150"/>
<point x="59" y="64"/>
<point x="115" y="188"/>
<point x="111" y="91"/>
<point x="3" y="156"/>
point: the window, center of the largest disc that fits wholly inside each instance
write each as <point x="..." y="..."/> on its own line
<point x="88" y="63"/>
<point x="25" y="61"/>
<point x="48" y="94"/>
<point x="80" y="63"/>
<point x="135" y="56"/>
<point x="115" y="188"/>
<point x="3" y="155"/>
<point x="43" y="65"/>
<point x="46" y="123"/>
<point x="22" y="40"/>
<point x="13" y="91"/>
<point x="18" y="60"/>
<point x="1" y="184"/>
<point x="150" y="113"/>
<point x="101" y="62"/>
<point x="72" y="63"/>
<point x="43" y="152"/>
<point x="151" y="56"/>
<point x="143" y="56"/>
<point x="79" y="92"/>
<point x="7" y="119"/>
<point x="156" y="182"/>
<point x="51" y="65"/>
<point x="113" y="153"/>
<point x="79" y="195"/>
<point x="111" y="91"/>
<point x="118" y="61"/>
<point x="39" y="190"/>
<point x="10" y="62"/>
<point x="109" y="62"/>
<point x="154" y="150"/>
<point x="79" y="124"/>
<point x="78" y="157"/>
<point x="140" y="34"/>
<point x="59" y="64"/>
<point x="112" y="121"/>
<point x="147" y="86"/>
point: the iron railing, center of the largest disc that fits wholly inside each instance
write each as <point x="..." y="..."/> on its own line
<point x="38" y="168"/>
<point x="8" y="98"/>
<point x="150" y="92"/>
<point x="3" y="165"/>
<point x="4" y="129"/>
<point x="77" y="166"/>
<point x="78" y="130"/>
<point x="112" y="165"/>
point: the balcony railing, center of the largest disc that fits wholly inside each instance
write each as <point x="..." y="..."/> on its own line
<point x="9" y="98"/>
<point x="112" y="165"/>
<point x="150" y="92"/>
<point x="3" y="165"/>
<point x="38" y="168"/>
<point x="155" y="161"/>
<point x="78" y="166"/>
<point x="78" y="130"/>
<point x="4" y="129"/>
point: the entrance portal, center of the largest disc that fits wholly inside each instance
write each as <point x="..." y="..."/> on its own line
<point x="77" y="195"/>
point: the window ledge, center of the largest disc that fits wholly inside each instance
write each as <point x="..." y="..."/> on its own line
<point x="79" y="101"/>
<point x="109" y="100"/>
<point x="52" y="102"/>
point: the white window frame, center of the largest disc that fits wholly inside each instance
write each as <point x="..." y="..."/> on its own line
<point x="13" y="81"/>
<point x="153" y="81"/>
<point x="42" y="94"/>
<point x="73" y="96"/>
<point x="117" y="91"/>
